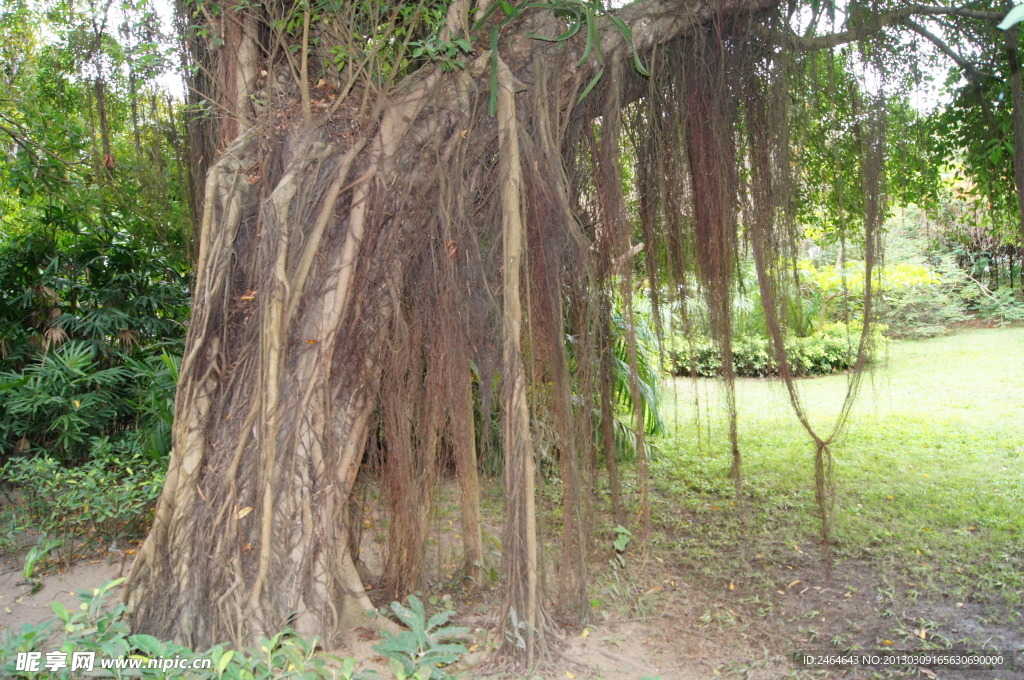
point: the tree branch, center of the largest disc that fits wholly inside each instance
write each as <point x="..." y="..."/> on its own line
<point x="875" y="23"/>
<point x="969" y="69"/>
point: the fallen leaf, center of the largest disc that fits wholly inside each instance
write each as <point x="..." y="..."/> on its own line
<point x="793" y="583"/>
<point x="244" y="511"/>
<point x="248" y="297"/>
<point x="732" y="586"/>
<point x="921" y="633"/>
<point x="886" y="642"/>
<point x="569" y="675"/>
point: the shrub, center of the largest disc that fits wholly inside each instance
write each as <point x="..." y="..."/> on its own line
<point x="62" y="400"/>
<point x="110" y="498"/>
<point x="830" y="350"/>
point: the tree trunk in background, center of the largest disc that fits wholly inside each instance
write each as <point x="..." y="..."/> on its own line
<point x="464" y="444"/>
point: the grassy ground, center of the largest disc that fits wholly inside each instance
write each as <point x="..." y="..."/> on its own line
<point x="929" y="480"/>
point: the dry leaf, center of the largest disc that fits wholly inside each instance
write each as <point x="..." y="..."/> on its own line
<point x="243" y="512"/>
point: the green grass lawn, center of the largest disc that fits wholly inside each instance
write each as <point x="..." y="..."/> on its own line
<point x="929" y="472"/>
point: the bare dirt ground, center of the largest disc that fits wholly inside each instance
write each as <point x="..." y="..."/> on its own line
<point x="658" y="618"/>
<point x="19" y="606"/>
<point x="700" y="629"/>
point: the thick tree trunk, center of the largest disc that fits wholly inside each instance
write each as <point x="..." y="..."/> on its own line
<point x="318" y="245"/>
<point x="272" y="411"/>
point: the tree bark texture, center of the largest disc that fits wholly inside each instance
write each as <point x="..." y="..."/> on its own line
<point x="345" y="272"/>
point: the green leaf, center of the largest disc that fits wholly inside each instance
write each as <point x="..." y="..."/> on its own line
<point x="1013" y="17"/>
<point x="590" y="85"/>
<point x="628" y="35"/>
<point x="61" y="611"/>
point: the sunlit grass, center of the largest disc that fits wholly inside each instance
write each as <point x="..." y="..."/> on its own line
<point x="929" y="472"/>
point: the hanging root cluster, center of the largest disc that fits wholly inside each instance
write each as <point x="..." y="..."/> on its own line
<point x="363" y="278"/>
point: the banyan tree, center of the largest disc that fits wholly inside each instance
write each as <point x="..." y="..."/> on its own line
<point x="413" y="215"/>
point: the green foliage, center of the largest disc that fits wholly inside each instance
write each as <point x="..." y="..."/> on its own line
<point x="88" y="326"/>
<point x="93" y="229"/>
<point x="422" y="651"/>
<point x="1003" y="304"/>
<point x="648" y="377"/>
<point x="445" y="52"/>
<point x="578" y="14"/>
<point x="99" y="628"/>
<point x="829" y="350"/>
<point x="155" y="403"/>
<point x="108" y="499"/>
<point x="64" y="400"/>
<point x="950" y="245"/>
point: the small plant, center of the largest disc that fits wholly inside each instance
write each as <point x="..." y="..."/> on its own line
<point x="426" y="647"/>
<point x="622" y="537"/>
<point x="444" y="52"/>
<point x="38" y="553"/>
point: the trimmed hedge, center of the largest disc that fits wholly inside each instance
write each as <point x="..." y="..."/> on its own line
<point x="830" y="350"/>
